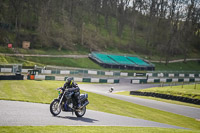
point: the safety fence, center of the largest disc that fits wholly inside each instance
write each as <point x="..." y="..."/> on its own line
<point x="175" y="74"/>
<point x="77" y="79"/>
<point x="11" y="77"/>
<point x="72" y="72"/>
<point x="109" y="73"/>
<point x="164" y="80"/>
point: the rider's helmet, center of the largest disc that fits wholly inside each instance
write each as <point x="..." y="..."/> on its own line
<point x="68" y="83"/>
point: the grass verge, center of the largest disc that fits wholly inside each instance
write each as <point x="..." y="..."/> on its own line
<point x="178" y="66"/>
<point x="127" y="93"/>
<point x="90" y="129"/>
<point x="190" y="91"/>
<point x="88" y="64"/>
<point x="45" y="51"/>
<point x="69" y="62"/>
<point x="44" y="92"/>
<point x="17" y="60"/>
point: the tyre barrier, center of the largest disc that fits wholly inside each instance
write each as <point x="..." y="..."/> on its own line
<point x="11" y="77"/>
<point x="166" y="96"/>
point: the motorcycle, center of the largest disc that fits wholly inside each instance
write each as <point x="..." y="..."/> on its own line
<point x="67" y="103"/>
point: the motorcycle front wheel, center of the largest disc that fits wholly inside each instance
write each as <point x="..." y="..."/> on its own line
<point x="54" y="109"/>
<point x="81" y="112"/>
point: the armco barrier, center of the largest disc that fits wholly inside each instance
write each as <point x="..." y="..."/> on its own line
<point x="110" y="73"/>
<point x="11" y="77"/>
<point x="165" y="96"/>
<point x="177" y="76"/>
<point x="86" y="79"/>
<point x="141" y="81"/>
<point x="77" y="79"/>
<point x="55" y="72"/>
<point x="49" y="77"/>
<point x="114" y="73"/>
<point x="64" y="72"/>
<point x="6" y="70"/>
<point x="95" y="80"/>
<point x="40" y="77"/>
<point x="102" y="80"/>
<point x="59" y="78"/>
<point x="172" y="75"/>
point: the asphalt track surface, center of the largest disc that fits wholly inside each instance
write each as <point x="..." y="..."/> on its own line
<point x="103" y="89"/>
<point x="15" y="113"/>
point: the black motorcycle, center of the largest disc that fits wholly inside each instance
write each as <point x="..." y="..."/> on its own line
<point x="67" y="103"/>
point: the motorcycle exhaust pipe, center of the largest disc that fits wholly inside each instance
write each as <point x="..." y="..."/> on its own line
<point x="85" y="104"/>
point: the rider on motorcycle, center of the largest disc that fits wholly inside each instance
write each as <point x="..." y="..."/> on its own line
<point x="73" y="87"/>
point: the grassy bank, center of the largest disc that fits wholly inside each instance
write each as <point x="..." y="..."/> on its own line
<point x="127" y="93"/>
<point x="18" y="60"/>
<point x="190" y="91"/>
<point x="90" y="129"/>
<point x="69" y="62"/>
<point x="179" y="66"/>
<point x="45" y="51"/>
<point x="88" y="64"/>
<point x="44" y="92"/>
<point x="43" y="61"/>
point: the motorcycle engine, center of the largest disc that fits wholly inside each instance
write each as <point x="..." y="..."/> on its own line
<point x="71" y="105"/>
<point x="65" y="107"/>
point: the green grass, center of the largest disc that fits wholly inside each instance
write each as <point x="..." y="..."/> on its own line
<point x="5" y="50"/>
<point x="179" y="66"/>
<point x="181" y="90"/>
<point x="127" y="93"/>
<point x="89" y="129"/>
<point x="30" y="91"/>
<point x="69" y="62"/>
<point x="18" y="60"/>
<point x="85" y="63"/>
<point x="42" y="61"/>
<point x="88" y="64"/>
<point x="46" y="51"/>
<point x="44" y="92"/>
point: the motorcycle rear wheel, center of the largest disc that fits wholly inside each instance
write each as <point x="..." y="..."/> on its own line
<point x="81" y="112"/>
<point x="54" y="109"/>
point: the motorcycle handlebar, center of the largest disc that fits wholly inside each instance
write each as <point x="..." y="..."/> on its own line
<point x="59" y="88"/>
<point x="65" y="90"/>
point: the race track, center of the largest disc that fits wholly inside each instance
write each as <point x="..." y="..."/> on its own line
<point x="15" y="113"/>
<point x="173" y="108"/>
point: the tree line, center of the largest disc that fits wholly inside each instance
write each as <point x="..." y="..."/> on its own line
<point x="162" y="27"/>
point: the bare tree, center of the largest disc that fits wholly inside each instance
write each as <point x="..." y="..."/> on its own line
<point x="121" y="15"/>
<point x="189" y="26"/>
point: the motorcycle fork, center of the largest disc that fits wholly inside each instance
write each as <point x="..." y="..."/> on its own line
<point x="61" y="99"/>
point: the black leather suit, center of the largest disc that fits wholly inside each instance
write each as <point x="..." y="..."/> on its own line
<point x="74" y="88"/>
